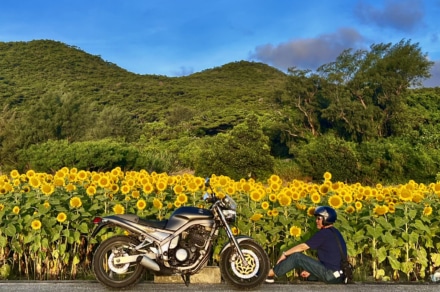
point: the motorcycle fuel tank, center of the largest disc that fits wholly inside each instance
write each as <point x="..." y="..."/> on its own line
<point x="185" y="214"/>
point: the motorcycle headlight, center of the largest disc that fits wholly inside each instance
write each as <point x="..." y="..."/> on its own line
<point x="229" y="203"/>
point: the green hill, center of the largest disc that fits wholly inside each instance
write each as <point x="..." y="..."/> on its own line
<point x="31" y="69"/>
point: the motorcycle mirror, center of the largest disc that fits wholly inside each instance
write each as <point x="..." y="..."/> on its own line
<point x="206" y="197"/>
<point x="207" y="182"/>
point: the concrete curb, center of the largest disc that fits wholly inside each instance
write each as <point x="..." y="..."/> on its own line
<point x="208" y="275"/>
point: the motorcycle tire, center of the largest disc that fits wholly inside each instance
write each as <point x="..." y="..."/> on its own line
<point x="242" y="276"/>
<point x="112" y="275"/>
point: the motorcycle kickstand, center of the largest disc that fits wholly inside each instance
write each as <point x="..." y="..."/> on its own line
<point x="186" y="279"/>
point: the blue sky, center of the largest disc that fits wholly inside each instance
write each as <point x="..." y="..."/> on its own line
<point x="180" y="37"/>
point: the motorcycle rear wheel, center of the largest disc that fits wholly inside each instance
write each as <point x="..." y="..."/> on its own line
<point x="112" y="275"/>
<point x="249" y="276"/>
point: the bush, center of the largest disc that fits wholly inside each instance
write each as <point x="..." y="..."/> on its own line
<point x="102" y="155"/>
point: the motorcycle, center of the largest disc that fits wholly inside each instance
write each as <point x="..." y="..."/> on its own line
<point x="181" y="245"/>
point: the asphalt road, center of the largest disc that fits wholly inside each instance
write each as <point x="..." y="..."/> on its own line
<point x="74" y="286"/>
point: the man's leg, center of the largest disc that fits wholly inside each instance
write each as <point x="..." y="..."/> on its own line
<point x="301" y="261"/>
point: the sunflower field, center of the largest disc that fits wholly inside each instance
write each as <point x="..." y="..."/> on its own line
<point x="392" y="232"/>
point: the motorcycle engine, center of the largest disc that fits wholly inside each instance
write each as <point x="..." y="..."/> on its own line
<point x="188" y="250"/>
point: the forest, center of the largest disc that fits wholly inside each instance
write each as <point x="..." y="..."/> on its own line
<point x="365" y="117"/>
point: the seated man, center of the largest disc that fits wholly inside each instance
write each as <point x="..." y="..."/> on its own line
<point x="328" y="266"/>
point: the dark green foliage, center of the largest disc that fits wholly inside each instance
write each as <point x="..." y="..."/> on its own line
<point x="242" y="153"/>
<point x="328" y="153"/>
<point x="100" y="155"/>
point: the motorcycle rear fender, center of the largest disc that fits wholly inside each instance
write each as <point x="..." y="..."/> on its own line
<point x="124" y="224"/>
<point x="239" y="239"/>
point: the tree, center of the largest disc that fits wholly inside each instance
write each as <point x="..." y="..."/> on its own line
<point x="365" y="89"/>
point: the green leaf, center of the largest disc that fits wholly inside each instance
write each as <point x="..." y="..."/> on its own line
<point x="395" y="264"/>
<point x="3" y="241"/>
<point x="10" y="230"/>
<point x="384" y="223"/>
<point x="374" y="232"/>
<point x="381" y="254"/>
<point x="83" y="228"/>
<point x="399" y="222"/>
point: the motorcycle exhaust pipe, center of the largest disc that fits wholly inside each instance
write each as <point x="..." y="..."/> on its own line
<point x="148" y="263"/>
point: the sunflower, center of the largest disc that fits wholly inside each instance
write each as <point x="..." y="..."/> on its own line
<point x="335" y="201"/>
<point x="417" y="197"/>
<point x="104" y="181"/>
<point x="91" y="190"/>
<point x="70" y="187"/>
<point x="274" y="179"/>
<point x="311" y="211"/>
<point x="125" y="189"/>
<point x="405" y="194"/>
<point x="34" y="182"/>
<point x="114" y="188"/>
<point x="275" y="212"/>
<point x="178" y="189"/>
<point x="75" y="202"/>
<point x="323" y="189"/>
<point x="358" y="206"/>
<point x="350" y="210"/>
<point x="235" y="231"/>
<point x="246" y="187"/>
<point x="295" y="231"/>
<point x="427" y="211"/>
<point x="141" y="204"/>
<point x="135" y="194"/>
<point x="36" y="224"/>
<point x="81" y="175"/>
<point x="148" y="188"/>
<point x="118" y="209"/>
<point x="61" y="217"/>
<point x="284" y="200"/>
<point x="275" y="186"/>
<point x="14" y="174"/>
<point x="192" y="186"/>
<point x="380" y="210"/>
<point x="182" y="198"/>
<point x="327" y="176"/>
<point x="255" y="196"/>
<point x="265" y="205"/>
<point x="30" y="173"/>
<point x="16" y="210"/>
<point x="46" y="204"/>
<point x="316" y="198"/>
<point x="59" y="182"/>
<point x="272" y="197"/>
<point x="177" y="204"/>
<point x="157" y="203"/>
<point x="256" y="217"/>
<point x="348" y="198"/>
<point x="230" y="190"/>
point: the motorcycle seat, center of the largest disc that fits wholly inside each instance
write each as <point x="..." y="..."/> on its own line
<point x="151" y="223"/>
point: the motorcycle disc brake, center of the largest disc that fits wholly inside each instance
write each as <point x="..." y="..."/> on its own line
<point x="118" y="269"/>
<point x="241" y="269"/>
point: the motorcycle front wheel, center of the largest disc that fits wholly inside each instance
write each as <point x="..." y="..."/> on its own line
<point x="111" y="274"/>
<point x="249" y="274"/>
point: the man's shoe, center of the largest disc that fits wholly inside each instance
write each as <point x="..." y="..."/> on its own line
<point x="270" y="279"/>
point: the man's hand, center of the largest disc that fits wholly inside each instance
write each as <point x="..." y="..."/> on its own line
<point x="305" y="274"/>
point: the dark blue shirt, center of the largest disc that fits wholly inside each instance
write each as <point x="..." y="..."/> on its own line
<point x="324" y="242"/>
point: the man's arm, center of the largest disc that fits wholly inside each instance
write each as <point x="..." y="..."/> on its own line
<point x="297" y="248"/>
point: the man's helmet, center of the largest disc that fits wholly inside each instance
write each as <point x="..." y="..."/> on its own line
<point x="327" y="214"/>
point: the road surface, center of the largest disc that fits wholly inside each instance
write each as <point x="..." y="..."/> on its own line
<point x="76" y="286"/>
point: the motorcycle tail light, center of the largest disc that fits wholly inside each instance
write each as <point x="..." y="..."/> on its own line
<point x="97" y="220"/>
